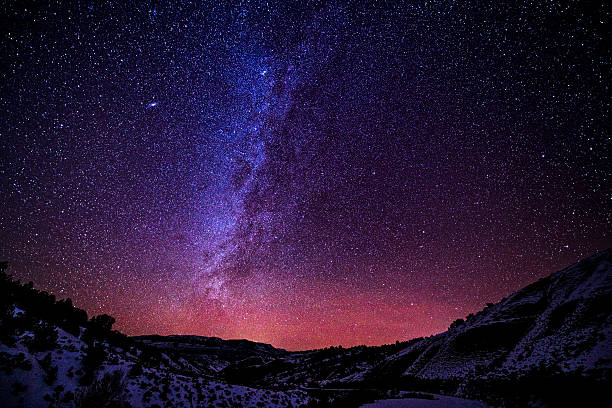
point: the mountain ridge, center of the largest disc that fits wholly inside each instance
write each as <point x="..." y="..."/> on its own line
<point x="535" y="346"/>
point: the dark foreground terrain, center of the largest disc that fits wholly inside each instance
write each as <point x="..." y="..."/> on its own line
<point x="549" y="344"/>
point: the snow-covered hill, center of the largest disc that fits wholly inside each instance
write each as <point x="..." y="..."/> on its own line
<point x="211" y="354"/>
<point x="52" y="356"/>
<point x="553" y="331"/>
<point x="52" y="378"/>
<point x="548" y="344"/>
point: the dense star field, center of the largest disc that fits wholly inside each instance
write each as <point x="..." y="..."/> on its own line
<point x="304" y="175"/>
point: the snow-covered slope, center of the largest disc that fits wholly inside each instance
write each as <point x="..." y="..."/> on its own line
<point x="547" y="344"/>
<point x="53" y="378"/>
<point x="553" y="332"/>
<point x="211" y="354"/>
<point x="528" y="347"/>
<point x="561" y="323"/>
<point x="52" y="356"/>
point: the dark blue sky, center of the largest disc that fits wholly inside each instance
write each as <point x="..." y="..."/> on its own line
<point x="303" y="173"/>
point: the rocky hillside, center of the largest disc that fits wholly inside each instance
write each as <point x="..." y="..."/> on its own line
<point x="553" y="332"/>
<point x="210" y="355"/>
<point x="51" y="355"/>
<point x="549" y="344"/>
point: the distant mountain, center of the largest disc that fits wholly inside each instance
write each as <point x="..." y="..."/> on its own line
<point x="212" y="354"/>
<point x="549" y="344"/>
<point x="51" y="355"/>
<point x="552" y="333"/>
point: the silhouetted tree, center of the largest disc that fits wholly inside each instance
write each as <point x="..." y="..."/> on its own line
<point x="104" y="322"/>
<point x="456" y="323"/>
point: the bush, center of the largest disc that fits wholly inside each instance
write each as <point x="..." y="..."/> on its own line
<point x="106" y="392"/>
<point x="68" y="396"/>
<point x="45" y="362"/>
<point x="136" y="370"/>
<point x="50" y="370"/>
<point x="45" y="338"/>
<point x="103" y="322"/>
<point x="457" y="323"/>
<point x="8" y="362"/>
<point x="93" y="359"/>
<point x="17" y="388"/>
<point x="69" y="317"/>
<point x="51" y="375"/>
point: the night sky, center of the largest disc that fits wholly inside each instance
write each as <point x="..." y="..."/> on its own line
<point x="304" y="175"/>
